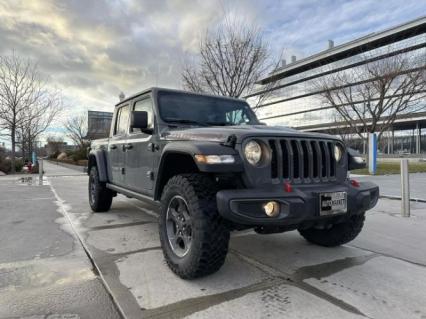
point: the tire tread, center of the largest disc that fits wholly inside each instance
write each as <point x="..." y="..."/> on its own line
<point x="337" y="235"/>
<point x="104" y="195"/>
<point x="210" y="252"/>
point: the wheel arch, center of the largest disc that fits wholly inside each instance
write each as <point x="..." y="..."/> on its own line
<point x="173" y="163"/>
<point x="97" y="158"/>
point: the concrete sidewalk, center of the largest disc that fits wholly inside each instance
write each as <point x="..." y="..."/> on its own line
<point x="379" y="275"/>
<point x="44" y="271"/>
<point x="54" y="169"/>
<point x="391" y="184"/>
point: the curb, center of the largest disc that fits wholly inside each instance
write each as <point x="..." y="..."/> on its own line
<point x="82" y="169"/>
<point x="89" y="254"/>
<point x="419" y="200"/>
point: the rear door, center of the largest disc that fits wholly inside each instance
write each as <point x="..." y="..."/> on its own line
<point x="117" y="151"/>
<point x="140" y="152"/>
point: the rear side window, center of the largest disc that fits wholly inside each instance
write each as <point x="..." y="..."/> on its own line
<point x="122" y="121"/>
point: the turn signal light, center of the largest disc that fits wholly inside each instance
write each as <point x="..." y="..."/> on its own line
<point x="215" y="159"/>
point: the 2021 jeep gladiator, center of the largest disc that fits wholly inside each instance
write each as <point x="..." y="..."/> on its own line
<point x="214" y="168"/>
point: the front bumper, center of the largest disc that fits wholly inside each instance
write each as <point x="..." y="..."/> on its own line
<point x="244" y="206"/>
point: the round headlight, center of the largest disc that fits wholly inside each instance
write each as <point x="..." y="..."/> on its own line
<point x="253" y="152"/>
<point x="338" y="152"/>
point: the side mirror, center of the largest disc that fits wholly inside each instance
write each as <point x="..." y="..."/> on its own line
<point x="139" y="119"/>
<point x="355" y="160"/>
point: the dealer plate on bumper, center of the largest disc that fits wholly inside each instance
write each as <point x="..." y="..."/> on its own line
<point x="333" y="203"/>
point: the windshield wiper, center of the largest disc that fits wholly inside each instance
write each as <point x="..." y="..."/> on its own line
<point x="186" y="121"/>
<point x="230" y="124"/>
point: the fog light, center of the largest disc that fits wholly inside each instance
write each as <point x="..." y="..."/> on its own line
<point x="271" y="209"/>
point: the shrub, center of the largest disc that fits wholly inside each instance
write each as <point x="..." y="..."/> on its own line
<point x="34" y="169"/>
<point x="79" y="154"/>
<point x="6" y="165"/>
<point x="82" y="162"/>
<point x="54" y="155"/>
<point x="19" y="165"/>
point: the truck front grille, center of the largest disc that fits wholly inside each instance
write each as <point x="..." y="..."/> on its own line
<point x="302" y="160"/>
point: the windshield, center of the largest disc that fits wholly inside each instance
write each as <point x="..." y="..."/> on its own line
<point x="203" y="110"/>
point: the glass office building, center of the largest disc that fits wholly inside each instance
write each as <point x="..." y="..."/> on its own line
<point x="98" y="124"/>
<point x="296" y="99"/>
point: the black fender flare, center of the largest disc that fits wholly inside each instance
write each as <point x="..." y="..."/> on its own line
<point x="191" y="148"/>
<point x="98" y="158"/>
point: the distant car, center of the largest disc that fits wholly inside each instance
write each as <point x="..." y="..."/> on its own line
<point x="214" y="168"/>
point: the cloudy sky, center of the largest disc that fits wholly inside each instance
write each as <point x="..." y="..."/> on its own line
<point x="93" y="49"/>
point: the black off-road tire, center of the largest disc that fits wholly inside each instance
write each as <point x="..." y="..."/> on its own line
<point x="210" y="235"/>
<point x="100" y="197"/>
<point x="337" y="235"/>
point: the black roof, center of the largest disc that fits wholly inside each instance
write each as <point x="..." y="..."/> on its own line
<point x="158" y="89"/>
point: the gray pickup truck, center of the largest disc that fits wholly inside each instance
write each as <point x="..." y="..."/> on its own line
<point x="214" y="168"/>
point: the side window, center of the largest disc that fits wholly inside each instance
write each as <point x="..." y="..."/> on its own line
<point x="145" y="105"/>
<point x="122" y="121"/>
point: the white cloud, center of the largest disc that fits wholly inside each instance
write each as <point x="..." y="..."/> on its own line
<point x="92" y="50"/>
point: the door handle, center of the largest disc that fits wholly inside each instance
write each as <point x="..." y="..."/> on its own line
<point x="113" y="147"/>
<point x="153" y="147"/>
<point x="127" y="147"/>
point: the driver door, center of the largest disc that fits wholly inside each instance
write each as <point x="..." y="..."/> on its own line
<point x="116" y="151"/>
<point x="140" y="157"/>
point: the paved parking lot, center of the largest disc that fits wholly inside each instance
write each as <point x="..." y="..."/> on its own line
<point x="379" y="275"/>
<point x="44" y="270"/>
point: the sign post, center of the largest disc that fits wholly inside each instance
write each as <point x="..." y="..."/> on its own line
<point x="40" y="171"/>
<point x="405" y="189"/>
<point x="372" y="153"/>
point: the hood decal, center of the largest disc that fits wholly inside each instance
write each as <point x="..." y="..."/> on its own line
<point x="195" y="136"/>
<point x="221" y="134"/>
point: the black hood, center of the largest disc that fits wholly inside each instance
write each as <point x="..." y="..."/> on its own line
<point x="221" y="133"/>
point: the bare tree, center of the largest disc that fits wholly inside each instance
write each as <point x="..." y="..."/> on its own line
<point x="24" y="100"/>
<point x="341" y="128"/>
<point x="267" y="91"/>
<point x="37" y="120"/>
<point x="371" y="97"/>
<point x="76" y="128"/>
<point x="231" y="59"/>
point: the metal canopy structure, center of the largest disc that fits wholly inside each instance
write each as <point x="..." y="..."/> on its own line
<point x="404" y="122"/>
<point x="366" y="43"/>
<point x="295" y="100"/>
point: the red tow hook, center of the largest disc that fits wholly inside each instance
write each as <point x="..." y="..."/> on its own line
<point x="287" y="187"/>
<point x="355" y="183"/>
